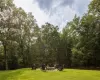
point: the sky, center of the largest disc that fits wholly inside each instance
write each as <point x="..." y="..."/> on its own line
<point x="56" y="12"/>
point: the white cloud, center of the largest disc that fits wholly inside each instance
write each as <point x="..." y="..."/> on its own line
<point x="29" y="6"/>
<point x="57" y="15"/>
<point x="81" y="6"/>
<point x="62" y="16"/>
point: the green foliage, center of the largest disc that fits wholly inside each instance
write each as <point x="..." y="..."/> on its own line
<point x="23" y="43"/>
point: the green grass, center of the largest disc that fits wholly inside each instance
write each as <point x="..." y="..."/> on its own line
<point x="67" y="74"/>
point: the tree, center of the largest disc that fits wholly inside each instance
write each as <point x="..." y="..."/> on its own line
<point x="5" y="25"/>
<point x="50" y="38"/>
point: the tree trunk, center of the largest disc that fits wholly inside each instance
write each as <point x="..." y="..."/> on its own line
<point x="5" y="56"/>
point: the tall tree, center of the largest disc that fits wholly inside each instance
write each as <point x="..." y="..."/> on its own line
<point x="6" y="13"/>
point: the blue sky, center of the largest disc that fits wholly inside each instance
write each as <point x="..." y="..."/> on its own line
<point x="57" y="12"/>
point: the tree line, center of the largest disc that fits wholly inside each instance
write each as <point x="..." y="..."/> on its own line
<point x="23" y="42"/>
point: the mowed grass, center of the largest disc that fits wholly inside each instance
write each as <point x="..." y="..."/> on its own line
<point x="67" y="74"/>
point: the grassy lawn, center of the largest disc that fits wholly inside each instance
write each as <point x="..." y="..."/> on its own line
<point x="67" y="74"/>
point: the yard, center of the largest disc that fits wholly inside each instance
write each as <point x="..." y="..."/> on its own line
<point x="67" y="74"/>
